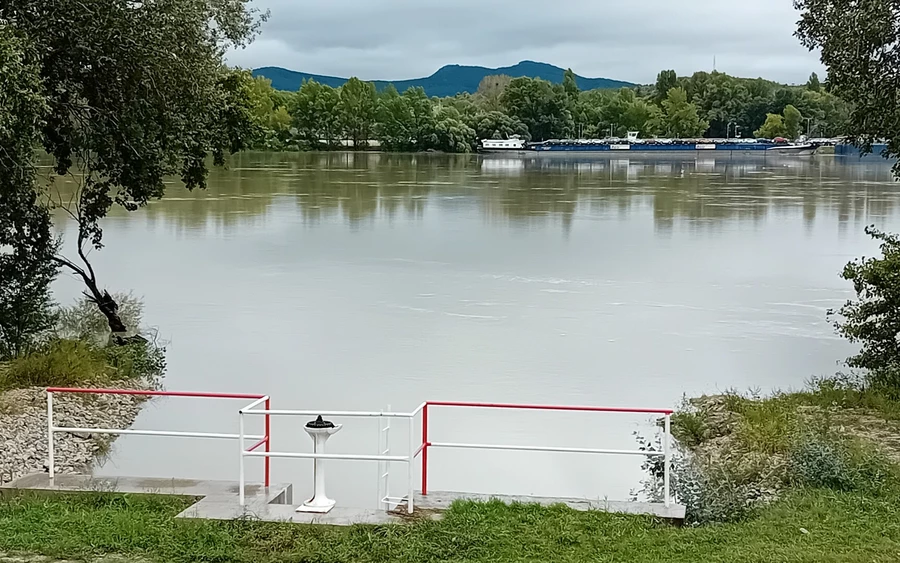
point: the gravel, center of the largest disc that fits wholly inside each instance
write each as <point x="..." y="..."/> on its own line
<point x="23" y="429"/>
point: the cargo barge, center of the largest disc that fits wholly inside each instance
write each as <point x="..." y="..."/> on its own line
<point x="632" y="144"/>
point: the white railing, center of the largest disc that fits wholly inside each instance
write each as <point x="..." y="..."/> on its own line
<point x="383" y="456"/>
<point x="53" y="429"/>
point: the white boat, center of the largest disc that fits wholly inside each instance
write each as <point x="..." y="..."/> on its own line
<point x="502" y="145"/>
<point x="794" y="150"/>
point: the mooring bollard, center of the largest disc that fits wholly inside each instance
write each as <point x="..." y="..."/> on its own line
<point x="319" y="430"/>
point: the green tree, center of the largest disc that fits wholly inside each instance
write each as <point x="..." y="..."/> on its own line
<point x="357" y="108"/>
<point x="857" y="42"/>
<point x="542" y="107"/>
<point x="792" y="119"/>
<point x="665" y="81"/>
<point x="26" y="241"/>
<point x="570" y="85"/>
<point x="627" y="112"/>
<point x="490" y="89"/>
<point x="392" y="127"/>
<point x="451" y="133"/>
<point x="498" y="125"/>
<point x="267" y="108"/>
<point x="136" y="92"/>
<point x="813" y="83"/>
<point x="680" y="117"/>
<point x="773" y="127"/>
<point x="872" y="320"/>
<point x="315" y="114"/>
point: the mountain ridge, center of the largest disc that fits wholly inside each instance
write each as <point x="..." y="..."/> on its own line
<point x="448" y="80"/>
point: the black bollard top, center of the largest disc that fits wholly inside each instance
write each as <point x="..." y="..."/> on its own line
<point x="319" y="423"/>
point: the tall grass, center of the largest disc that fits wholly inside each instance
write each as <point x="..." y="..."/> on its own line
<point x="807" y="526"/>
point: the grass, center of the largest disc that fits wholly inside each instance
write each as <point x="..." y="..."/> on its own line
<point x="812" y="525"/>
<point x="71" y="363"/>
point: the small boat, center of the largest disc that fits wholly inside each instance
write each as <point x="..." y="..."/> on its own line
<point x="502" y="145"/>
<point x="806" y="149"/>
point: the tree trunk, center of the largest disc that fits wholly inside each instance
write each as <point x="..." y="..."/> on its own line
<point x="107" y="306"/>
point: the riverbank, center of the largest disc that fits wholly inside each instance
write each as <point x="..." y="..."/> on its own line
<point x="808" y="476"/>
<point x="813" y="525"/>
<point x="23" y="428"/>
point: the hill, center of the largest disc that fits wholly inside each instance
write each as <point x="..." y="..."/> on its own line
<point x="447" y="81"/>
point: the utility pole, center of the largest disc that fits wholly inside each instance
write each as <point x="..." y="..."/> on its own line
<point x="808" y="126"/>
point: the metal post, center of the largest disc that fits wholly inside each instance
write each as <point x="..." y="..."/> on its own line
<point x="268" y="440"/>
<point x="667" y="462"/>
<point x="379" y="466"/>
<point x="241" y="449"/>
<point x="425" y="450"/>
<point x="410" y="488"/>
<point x="50" y="457"/>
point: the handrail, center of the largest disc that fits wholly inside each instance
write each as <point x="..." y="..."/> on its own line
<point x="423" y="448"/>
<point x="409" y="459"/>
<point x="52" y="429"/>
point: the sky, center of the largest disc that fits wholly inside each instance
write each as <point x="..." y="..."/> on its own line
<point x="625" y="40"/>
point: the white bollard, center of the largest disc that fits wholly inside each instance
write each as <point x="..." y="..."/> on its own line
<point x="319" y="430"/>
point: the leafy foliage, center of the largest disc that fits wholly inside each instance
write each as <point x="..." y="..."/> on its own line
<point x="872" y="319"/>
<point x="857" y="42"/>
<point x="772" y="128"/>
<point x="82" y="321"/>
<point x="26" y="241"/>
<point x="680" y="117"/>
<point x="535" y="109"/>
<point x="540" y="105"/>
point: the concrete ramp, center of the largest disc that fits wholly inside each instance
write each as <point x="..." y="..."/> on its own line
<point x="218" y="500"/>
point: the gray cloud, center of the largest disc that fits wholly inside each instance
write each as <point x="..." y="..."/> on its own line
<point x="396" y="39"/>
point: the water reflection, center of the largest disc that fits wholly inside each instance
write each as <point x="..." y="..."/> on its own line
<point x="359" y="187"/>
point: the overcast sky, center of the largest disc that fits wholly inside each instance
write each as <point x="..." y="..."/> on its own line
<point x="622" y="39"/>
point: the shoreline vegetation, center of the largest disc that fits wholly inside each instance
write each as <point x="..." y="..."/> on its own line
<point x="77" y="350"/>
<point x="712" y="105"/>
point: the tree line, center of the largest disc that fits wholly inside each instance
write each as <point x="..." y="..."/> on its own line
<point x="705" y="104"/>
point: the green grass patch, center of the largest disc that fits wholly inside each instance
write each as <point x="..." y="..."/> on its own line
<point x="72" y="363"/>
<point x="808" y="525"/>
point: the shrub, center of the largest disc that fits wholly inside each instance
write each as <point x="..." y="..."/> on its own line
<point x="711" y="492"/>
<point x="820" y="463"/>
<point x="137" y="360"/>
<point x="839" y="464"/>
<point x="59" y="363"/>
<point x="84" y="321"/>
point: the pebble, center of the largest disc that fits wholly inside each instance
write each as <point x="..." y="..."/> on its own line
<point x="23" y="429"/>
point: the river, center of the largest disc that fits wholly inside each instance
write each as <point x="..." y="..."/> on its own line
<point x="357" y="281"/>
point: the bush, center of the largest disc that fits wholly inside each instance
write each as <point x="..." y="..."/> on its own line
<point x="819" y="463"/>
<point x="842" y="465"/>
<point x="138" y="360"/>
<point x="84" y="321"/>
<point x="60" y="363"/>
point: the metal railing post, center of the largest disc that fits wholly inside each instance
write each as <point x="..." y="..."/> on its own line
<point x="241" y="449"/>
<point x="425" y="450"/>
<point x="268" y="442"/>
<point x="667" y="461"/>
<point x="51" y="463"/>
<point x="409" y="468"/>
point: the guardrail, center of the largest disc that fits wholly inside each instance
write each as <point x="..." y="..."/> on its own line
<point x="52" y="429"/>
<point x="382" y="457"/>
<point x="428" y="444"/>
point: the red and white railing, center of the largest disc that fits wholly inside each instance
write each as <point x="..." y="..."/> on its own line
<point x="53" y="429"/>
<point x="383" y="455"/>
<point x="426" y="443"/>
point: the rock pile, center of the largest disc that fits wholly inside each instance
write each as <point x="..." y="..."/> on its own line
<point x="23" y="429"/>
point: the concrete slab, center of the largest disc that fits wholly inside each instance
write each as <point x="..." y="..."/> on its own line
<point x="441" y="500"/>
<point x="219" y="500"/>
